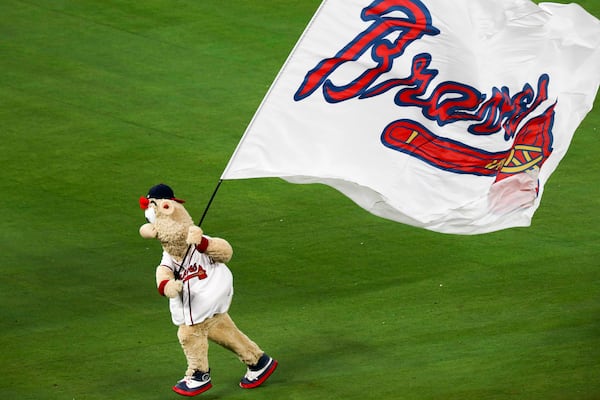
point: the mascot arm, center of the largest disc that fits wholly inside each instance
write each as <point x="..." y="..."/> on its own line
<point x="166" y="282"/>
<point x="218" y="249"/>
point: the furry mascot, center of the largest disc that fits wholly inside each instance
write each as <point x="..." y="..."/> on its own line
<point x="193" y="275"/>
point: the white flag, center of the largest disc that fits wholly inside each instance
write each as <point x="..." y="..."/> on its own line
<point x="446" y="115"/>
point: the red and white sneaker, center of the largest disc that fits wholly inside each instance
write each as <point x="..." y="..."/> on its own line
<point x="193" y="385"/>
<point x="257" y="374"/>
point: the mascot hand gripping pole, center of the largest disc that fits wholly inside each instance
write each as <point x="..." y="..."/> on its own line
<point x="193" y="275"/>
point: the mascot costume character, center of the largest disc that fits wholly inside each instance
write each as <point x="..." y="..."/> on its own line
<point x="193" y="275"/>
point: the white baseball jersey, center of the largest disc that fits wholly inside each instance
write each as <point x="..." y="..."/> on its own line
<point x="207" y="288"/>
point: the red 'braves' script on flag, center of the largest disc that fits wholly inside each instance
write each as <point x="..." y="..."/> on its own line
<point x="448" y="102"/>
<point x="449" y="117"/>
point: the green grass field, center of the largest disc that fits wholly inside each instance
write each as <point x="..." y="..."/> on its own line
<point x="99" y="100"/>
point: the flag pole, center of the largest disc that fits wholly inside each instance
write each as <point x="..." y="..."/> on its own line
<point x="210" y="201"/>
<point x="178" y="271"/>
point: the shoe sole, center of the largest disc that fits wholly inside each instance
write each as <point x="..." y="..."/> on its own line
<point x="192" y="393"/>
<point x="262" y="379"/>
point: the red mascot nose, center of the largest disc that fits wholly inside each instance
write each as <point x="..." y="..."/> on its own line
<point x="144" y="202"/>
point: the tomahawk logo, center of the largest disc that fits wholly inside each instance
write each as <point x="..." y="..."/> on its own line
<point x="394" y="26"/>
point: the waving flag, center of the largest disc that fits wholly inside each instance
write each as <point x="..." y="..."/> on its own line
<point x="446" y="115"/>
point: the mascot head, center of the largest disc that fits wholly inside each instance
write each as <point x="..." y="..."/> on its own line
<point x="168" y="220"/>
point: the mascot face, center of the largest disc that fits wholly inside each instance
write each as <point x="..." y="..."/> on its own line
<point x="168" y="221"/>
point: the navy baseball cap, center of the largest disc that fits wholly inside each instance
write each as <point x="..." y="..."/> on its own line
<point x="162" y="191"/>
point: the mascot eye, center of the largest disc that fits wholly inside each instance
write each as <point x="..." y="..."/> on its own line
<point x="166" y="206"/>
<point x="150" y="215"/>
